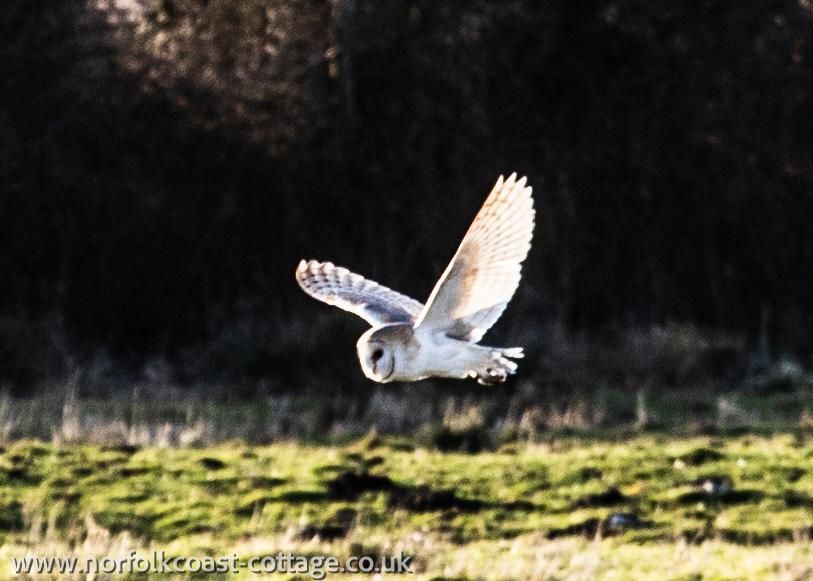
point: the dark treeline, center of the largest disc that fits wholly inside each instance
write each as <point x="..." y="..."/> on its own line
<point x="164" y="165"/>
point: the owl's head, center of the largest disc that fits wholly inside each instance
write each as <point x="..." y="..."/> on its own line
<point x="376" y="355"/>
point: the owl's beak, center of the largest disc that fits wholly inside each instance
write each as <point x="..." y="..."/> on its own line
<point x="386" y="377"/>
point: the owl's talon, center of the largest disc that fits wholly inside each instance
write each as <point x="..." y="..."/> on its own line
<point x="492" y="376"/>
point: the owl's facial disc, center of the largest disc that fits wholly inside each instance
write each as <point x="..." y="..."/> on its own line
<point x="377" y="360"/>
<point x="382" y="363"/>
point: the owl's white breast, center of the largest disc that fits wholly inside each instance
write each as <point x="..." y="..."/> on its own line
<point x="437" y="355"/>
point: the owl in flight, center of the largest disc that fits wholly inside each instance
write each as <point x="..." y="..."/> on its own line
<point x="409" y="341"/>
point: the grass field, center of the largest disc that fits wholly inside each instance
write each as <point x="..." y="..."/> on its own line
<point x="644" y="507"/>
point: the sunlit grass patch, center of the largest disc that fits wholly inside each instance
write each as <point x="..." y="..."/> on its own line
<point x="580" y="506"/>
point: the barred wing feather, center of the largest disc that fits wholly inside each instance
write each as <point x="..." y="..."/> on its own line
<point x="371" y="301"/>
<point x="473" y="292"/>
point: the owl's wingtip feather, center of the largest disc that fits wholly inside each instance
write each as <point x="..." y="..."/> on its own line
<point x="514" y="185"/>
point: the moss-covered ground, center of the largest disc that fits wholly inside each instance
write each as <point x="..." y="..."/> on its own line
<point x="648" y="506"/>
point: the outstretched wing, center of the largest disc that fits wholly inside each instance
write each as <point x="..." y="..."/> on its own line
<point x="337" y="286"/>
<point x="484" y="273"/>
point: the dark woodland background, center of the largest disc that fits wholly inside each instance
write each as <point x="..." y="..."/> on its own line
<point x="165" y="164"/>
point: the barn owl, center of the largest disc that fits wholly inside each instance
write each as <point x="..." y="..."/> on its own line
<point x="409" y="341"/>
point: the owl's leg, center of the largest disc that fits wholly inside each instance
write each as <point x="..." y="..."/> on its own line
<point x="495" y="366"/>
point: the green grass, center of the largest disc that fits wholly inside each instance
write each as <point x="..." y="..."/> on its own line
<point x="575" y="506"/>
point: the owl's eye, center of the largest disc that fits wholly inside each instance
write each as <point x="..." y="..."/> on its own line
<point x="377" y="354"/>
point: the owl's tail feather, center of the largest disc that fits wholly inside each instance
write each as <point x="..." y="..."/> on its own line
<point x="513" y="352"/>
<point x="498" y="366"/>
